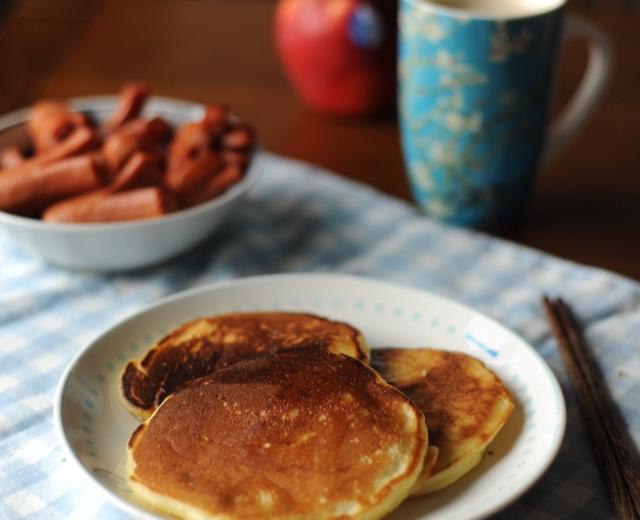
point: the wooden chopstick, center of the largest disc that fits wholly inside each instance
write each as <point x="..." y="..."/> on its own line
<point x="610" y="446"/>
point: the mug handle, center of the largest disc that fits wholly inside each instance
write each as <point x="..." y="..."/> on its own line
<point x="590" y="90"/>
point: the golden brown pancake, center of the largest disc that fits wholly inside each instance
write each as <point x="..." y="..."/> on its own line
<point x="430" y="459"/>
<point x="297" y="434"/>
<point x="201" y="346"/>
<point x="464" y="403"/>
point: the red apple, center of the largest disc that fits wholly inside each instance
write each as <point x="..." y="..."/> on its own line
<point x="339" y="54"/>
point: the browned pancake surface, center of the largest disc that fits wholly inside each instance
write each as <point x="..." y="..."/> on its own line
<point x="460" y="398"/>
<point x="294" y="434"/>
<point x="204" y="345"/>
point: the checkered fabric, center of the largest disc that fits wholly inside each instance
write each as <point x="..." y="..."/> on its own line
<point x="300" y="218"/>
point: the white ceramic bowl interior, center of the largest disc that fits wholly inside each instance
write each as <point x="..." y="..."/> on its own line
<point x="119" y="245"/>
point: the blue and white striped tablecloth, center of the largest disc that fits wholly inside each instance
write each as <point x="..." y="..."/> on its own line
<point x="300" y="218"/>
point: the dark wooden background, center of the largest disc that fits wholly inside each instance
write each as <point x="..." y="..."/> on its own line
<point x="586" y="206"/>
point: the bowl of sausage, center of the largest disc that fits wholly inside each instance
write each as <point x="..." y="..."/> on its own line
<point x="114" y="183"/>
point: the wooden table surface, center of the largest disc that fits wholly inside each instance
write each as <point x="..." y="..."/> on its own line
<point x="585" y="207"/>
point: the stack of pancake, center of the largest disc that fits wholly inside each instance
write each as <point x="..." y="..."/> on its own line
<point x="286" y="415"/>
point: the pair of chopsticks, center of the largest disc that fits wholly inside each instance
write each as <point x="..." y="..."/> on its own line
<point x="610" y="446"/>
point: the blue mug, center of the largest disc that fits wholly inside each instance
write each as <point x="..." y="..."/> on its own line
<point x="475" y="79"/>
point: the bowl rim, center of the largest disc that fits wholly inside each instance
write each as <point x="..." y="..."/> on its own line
<point x="87" y="103"/>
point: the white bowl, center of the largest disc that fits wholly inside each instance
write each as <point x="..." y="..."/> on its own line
<point x="118" y="246"/>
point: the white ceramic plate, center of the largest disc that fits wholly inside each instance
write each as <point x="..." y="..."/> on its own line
<point x="94" y="427"/>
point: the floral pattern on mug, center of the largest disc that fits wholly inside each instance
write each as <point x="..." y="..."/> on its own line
<point x="503" y="45"/>
<point x="473" y="104"/>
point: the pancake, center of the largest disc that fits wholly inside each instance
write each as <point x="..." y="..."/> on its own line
<point x="201" y="346"/>
<point x="464" y="403"/>
<point x="297" y="434"/>
<point x="430" y="459"/>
